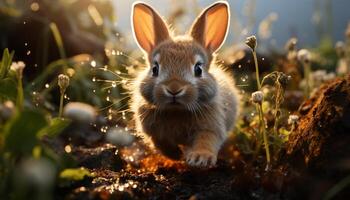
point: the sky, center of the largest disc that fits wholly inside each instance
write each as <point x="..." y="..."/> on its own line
<point x="294" y="17"/>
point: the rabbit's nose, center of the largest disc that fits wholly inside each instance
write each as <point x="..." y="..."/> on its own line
<point x="174" y="92"/>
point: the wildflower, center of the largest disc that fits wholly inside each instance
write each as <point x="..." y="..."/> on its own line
<point x="119" y="137"/>
<point x="18" y="68"/>
<point x="80" y="112"/>
<point x="293" y="119"/>
<point x="257" y="97"/>
<point x="291" y="44"/>
<point x="304" y="56"/>
<point x="342" y="67"/>
<point x="292" y="49"/>
<point x="63" y="82"/>
<point x="340" y="49"/>
<point x="251" y="42"/>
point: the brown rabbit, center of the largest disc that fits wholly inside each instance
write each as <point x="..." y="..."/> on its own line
<point x="183" y="99"/>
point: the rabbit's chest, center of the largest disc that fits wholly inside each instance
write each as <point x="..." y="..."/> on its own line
<point x="179" y="127"/>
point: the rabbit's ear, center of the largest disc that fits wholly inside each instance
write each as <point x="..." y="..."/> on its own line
<point x="211" y="26"/>
<point x="148" y="27"/>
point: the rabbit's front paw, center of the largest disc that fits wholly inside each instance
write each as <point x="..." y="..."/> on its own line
<point x="201" y="158"/>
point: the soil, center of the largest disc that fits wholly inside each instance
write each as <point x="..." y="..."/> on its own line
<point x="316" y="157"/>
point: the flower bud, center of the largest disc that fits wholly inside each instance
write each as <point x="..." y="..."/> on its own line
<point x="293" y="119"/>
<point x="63" y="82"/>
<point x="291" y="44"/>
<point x="251" y="42"/>
<point x="340" y="49"/>
<point x="257" y="97"/>
<point x="304" y="56"/>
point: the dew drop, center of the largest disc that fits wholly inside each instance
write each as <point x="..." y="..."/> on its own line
<point x="114" y="84"/>
<point x="93" y="63"/>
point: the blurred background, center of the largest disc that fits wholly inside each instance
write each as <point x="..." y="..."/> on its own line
<point x="308" y="20"/>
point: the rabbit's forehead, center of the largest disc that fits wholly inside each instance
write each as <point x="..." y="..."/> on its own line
<point x="179" y="55"/>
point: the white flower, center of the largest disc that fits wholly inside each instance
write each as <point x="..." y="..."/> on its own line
<point x="63" y="82"/>
<point x="251" y="42"/>
<point x="257" y="97"/>
<point x="304" y="56"/>
<point x="18" y="67"/>
<point x="293" y="119"/>
<point x="340" y="49"/>
<point x="119" y="137"/>
<point x="342" y="66"/>
<point x="80" y="112"/>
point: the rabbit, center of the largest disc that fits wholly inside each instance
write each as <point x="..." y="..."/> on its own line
<point x="183" y="101"/>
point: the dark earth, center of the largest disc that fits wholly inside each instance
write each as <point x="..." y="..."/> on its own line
<point x="315" y="159"/>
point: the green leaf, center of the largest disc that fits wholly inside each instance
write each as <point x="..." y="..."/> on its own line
<point x="8" y="89"/>
<point x="6" y="62"/>
<point x="21" y="131"/>
<point x="56" y="126"/>
<point x="75" y="174"/>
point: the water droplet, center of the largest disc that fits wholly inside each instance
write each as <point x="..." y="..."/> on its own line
<point x="34" y="6"/>
<point x="93" y="79"/>
<point x="47" y="85"/>
<point x="108" y="98"/>
<point x="25" y="44"/>
<point x="262" y="58"/>
<point x="28" y="52"/>
<point x="239" y="66"/>
<point x="114" y="84"/>
<point x="68" y="149"/>
<point x="93" y="63"/>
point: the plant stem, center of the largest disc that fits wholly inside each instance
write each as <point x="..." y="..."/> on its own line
<point x="59" y="42"/>
<point x="20" y="95"/>
<point x="307" y="79"/>
<point x="256" y="70"/>
<point x="61" y="105"/>
<point x="262" y="126"/>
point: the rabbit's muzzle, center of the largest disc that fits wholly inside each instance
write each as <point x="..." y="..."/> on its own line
<point x="176" y="92"/>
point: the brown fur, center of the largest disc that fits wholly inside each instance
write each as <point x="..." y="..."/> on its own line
<point x="207" y="108"/>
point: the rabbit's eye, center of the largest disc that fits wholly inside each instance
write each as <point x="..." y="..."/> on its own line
<point x="198" y="69"/>
<point x="155" y="69"/>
